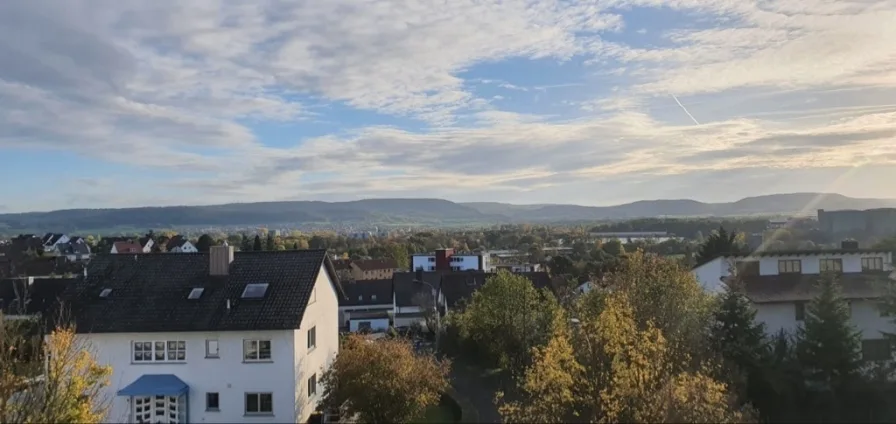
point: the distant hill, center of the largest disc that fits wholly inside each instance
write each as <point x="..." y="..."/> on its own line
<point x="415" y="211"/>
<point x="775" y="204"/>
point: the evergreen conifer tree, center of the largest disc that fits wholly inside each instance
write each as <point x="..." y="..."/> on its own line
<point x="256" y="246"/>
<point x="828" y="346"/>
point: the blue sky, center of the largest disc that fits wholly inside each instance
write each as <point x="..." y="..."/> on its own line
<point x="557" y="101"/>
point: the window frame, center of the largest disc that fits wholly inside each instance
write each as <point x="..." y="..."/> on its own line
<point x="166" y="350"/>
<point x="258" y="356"/>
<point x="208" y="352"/>
<point x="826" y="262"/>
<point x="784" y="269"/>
<point x="312" y="385"/>
<point x="258" y="402"/>
<point x="799" y="312"/>
<point x="311" y="337"/>
<point x="866" y="344"/>
<point x="872" y="260"/>
<point x="208" y="406"/>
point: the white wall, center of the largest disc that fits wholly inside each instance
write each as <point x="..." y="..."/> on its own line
<point x="322" y="313"/>
<point x="376" y="324"/>
<point x="709" y="274"/>
<point x="345" y="312"/>
<point x="228" y="375"/>
<point x="421" y="261"/>
<point x="465" y="262"/>
<point x="865" y="316"/>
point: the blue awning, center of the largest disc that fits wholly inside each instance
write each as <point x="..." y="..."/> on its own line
<point x="155" y="385"/>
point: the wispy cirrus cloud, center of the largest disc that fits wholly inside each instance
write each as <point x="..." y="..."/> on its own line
<point x="192" y="92"/>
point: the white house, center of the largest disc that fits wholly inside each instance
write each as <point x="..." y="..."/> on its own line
<point x="367" y="305"/>
<point x="214" y="337"/>
<point x="781" y="283"/>
<point x="179" y="244"/>
<point x="448" y="260"/>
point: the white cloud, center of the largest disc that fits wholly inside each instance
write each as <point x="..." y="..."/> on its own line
<point x="171" y="86"/>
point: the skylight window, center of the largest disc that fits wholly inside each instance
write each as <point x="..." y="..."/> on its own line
<point x="196" y="293"/>
<point x="105" y="293"/>
<point x="255" y="291"/>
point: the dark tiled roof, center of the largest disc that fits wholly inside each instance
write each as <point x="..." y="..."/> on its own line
<point x="44" y="266"/>
<point x="405" y="287"/>
<point x="801" y="287"/>
<point x="368" y="315"/>
<point x="374" y="264"/>
<point x="149" y="292"/>
<point x="361" y="293"/>
<point x="50" y="238"/>
<point x="43" y="294"/>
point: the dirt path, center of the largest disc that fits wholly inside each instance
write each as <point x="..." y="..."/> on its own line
<point x="474" y="389"/>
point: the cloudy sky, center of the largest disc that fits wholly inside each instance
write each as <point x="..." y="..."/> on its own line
<point x="107" y="103"/>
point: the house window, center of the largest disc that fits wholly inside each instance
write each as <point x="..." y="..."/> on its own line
<point x="259" y="403"/>
<point x="211" y="348"/>
<point x="160" y="351"/>
<point x="105" y="293"/>
<point x="364" y="325"/>
<point x="195" y="293"/>
<point x="373" y="297"/>
<point x="800" y="310"/>
<point x="830" y="265"/>
<point x="312" y="385"/>
<point x="747" y="268"/>
<point x="873" y="264"/>
<point x="876" y="350"/>
<point x="256" y="350"/>
<point x="790" y="266"/>
<point x="212" y="401"/>
<point x="255" y="291"/>
<point x="312" y="338"/>
<point x="431" y="259"/>
<point x="883" y="309"/>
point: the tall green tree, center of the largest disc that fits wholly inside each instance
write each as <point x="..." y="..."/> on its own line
<point x="740" y="341"/>
<point x="719" y="243"/>
<point x="506" y="318"/>
<point x="204" y="243"/>
<point x="269" y="244"/>
<point x="828" y="346"/>
<point x="245" y="243"/>
<point x="257" y="246"/>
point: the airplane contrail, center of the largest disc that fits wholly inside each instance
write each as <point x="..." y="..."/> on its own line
<point x="685" y="109"/>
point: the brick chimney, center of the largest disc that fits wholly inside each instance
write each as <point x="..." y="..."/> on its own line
<point x="443" y="259"/>
<point x="219" y="259"/>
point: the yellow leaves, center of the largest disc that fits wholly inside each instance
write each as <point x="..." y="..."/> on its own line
<point x="384" y="381"/>
<point x="69" y="389"/>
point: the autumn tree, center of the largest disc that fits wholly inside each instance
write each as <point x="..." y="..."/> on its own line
<point x="506" y="318"/>
<point x="665" y="295"/>
<point x="384" y="381"/>
<point x="606" y="367"/>
<point x="67" y="387"/>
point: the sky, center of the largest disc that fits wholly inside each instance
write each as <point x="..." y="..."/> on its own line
<point x="116" y="103"/>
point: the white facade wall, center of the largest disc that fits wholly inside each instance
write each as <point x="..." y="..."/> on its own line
<point x="710" y="274"/>
<point x="227" y="375"/>
<point x="464" y="262"/>
<point x="186" y="248"/>
<point x="345" y="312"/>
<point x="865" y="316"/>
<point x="322" y="313"/>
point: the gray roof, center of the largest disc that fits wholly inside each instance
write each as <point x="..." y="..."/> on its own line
<point x="801" y="287"/>
<point x="149" y="292"/>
